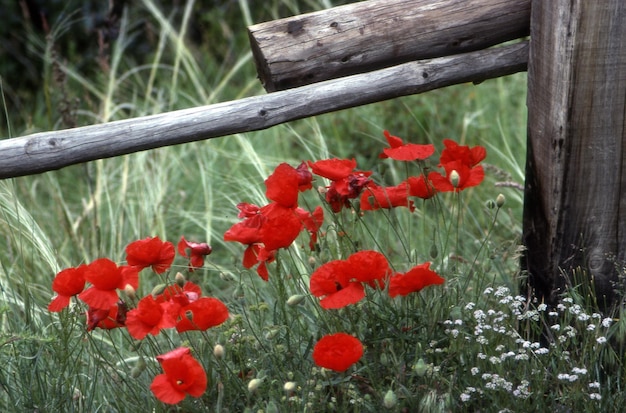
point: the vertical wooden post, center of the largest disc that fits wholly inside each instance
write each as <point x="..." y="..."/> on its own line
<point x="575" y="200"/>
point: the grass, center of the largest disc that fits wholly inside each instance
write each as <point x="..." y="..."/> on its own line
<point x="471" y="343"/>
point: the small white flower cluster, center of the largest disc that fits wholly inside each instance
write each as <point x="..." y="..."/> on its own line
<point x="492" y="325"/>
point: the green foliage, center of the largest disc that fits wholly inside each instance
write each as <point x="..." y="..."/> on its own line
<point x="469" y="344"/>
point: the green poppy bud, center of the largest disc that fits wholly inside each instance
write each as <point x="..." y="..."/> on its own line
<point x="455" y="178"/>
<point x="500" y="200"/>
<point x="390" y="400"/>
<point x="296" y="299"/>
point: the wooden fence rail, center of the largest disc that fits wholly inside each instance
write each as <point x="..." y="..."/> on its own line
<point x="47" y="151"/>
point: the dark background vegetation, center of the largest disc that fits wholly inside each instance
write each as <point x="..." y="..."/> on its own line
<point x="80" y="33"/>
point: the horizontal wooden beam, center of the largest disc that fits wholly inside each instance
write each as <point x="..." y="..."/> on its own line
<point x="47" y="151"/>
<point x="371" y="35"/>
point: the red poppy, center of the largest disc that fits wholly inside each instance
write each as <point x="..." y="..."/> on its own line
<point x="183" y="375"/>
<point x="464" y="154"/>
<point x="197" y="252"/>
<point x="368" y="266"/>
<point x="337" y="351"/>
<point x="182" y="296"/>
<point x="332" y="282"/>
<point x="376" y="197"/>
<point x="401" y="151"/>
<point x="420" y="187"/>
<point x="280" y="227"/>
<point x="333" y="169"/>
<point x="150" y="317"/>
<point x="67" y="283"/>
<point x="202" y="314"/>
<point x="413" y="280"/>
<point x="257" y="254"/>
<point x="466" y="177"/>
<point x="312" y="221"/>
<point x="339" y="282"/>
<point x="107" y="318"/>
<point x="305" y="177"/>
<point x="282" y="186"/>
<point x="150" y="252"/>
<point x="105" y="277"/>
<point x="247" y="210"/>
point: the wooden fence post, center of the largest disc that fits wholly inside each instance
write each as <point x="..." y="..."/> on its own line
<point x="575" y="200"/>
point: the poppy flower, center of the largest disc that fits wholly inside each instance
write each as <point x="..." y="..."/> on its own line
<point x="401" y="151"/>
<point x="150" y="252"/>
<point x="105" y="278"/>
<point x="337" y="351"/>
<point x="67" y="283"/>
<point x="202" y="314"/>
<point x="333" y="169"/>
<point x="369" y="267"/>
<point x="312" y="221"/>
<point x="107" y="318"/>
<point x="332" y="282"/>
<point x="280" y="227"/>
<point x="414" y="280"/>
<point x="464" y="154"/>
<point x="458" y="177"/>
<point x="305" y="177"/>
<point x="282" y="185"/>
<point x="420" y="187"/>
<point x="257" y="254"/>
<point x="150" y="317"/>
<point x="340" y="283"/>
<point x="184" y="295"/>
<point x="376" y="197"/>
<point x="197" y="252"/>
<point x="182" y="375"/>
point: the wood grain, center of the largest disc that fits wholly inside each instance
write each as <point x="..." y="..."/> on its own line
<point x="575" y="202"/>
<point x="53" y="150"/>
<point x="371" y="35"/>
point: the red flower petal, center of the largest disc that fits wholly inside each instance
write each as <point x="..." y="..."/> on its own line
<point x="283" y="185"/>
<point x="67" y="283"/>
<point x="337" y="351"/>
<point x="464" y="154"/>
<point x="149" y="317"/>
<point x="333" y="169"/>
<point x="414" y="280"/>
<point x="401" y="151"/>
<point x="205" y="313"/>
<point x="375" y="197"/>
<point x="150" y="252"/>
<point x="183" y="375"/>
<point x="420" y="187"/>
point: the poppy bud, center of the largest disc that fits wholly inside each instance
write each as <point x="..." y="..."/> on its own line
<point x="218" y="351"/>
<point x="500" y="200"/>
<point x="158" y="289"/>
<point x="290" y="386"/>
<point x="390" y="400"/>
<point x="180" y="279"/>
<point x="433" y="252"/>
<point x="420" y="367"/>
<point x="130" y="292"/>
<point x="454" y="178"/>
<point x="139" y="368"/>
<point x="271" y="407"/>
<point x="296" y="299"/>
<point x="254" y="385"/>
<point x="271" y="333"/>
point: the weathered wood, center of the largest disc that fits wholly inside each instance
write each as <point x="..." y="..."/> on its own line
<point x="575" y="196"/>
<point x="53" y="150"/>
<point x="370" y="35"/>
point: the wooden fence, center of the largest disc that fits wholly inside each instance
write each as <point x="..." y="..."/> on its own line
<point x="575" y="194"/>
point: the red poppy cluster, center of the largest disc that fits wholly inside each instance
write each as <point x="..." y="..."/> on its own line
<point x="264" y="230"/>
<point x="178" y="305"/>
<point x="276" y="225"/>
